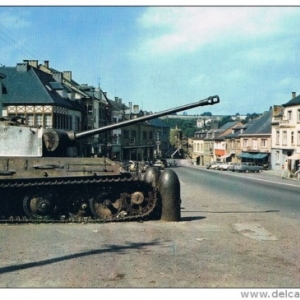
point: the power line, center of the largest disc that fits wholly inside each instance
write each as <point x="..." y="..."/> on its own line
<point x="17" y="42"/>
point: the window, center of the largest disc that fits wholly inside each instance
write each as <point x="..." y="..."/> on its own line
<point x="48" y="121"/>
<point x="298" y="115"/>
<point x="30" y="120"/>
<point x="133" y="134"/>
<point x="298" y="138"/>
<point x="232" y="144"/>
<point x="264" y="143"/>
<point x="254" y="141"/>
<point x="39" y="120"/>
<point x="284" y="138"/>
<point x="126" y="134"/>
<point x="277" y="137"/>
<point x="292" y="138"/>
<point x="277" y="156"/>
<point x="150" y="135"/>
<point x="144" y="135"/>
<point x="289" y="115"/>
<point x="245" y="142"/>
<point x="77" y="124"/>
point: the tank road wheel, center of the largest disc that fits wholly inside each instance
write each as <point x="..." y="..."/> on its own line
<point x="40" y="205"/>
<point x="103" y="207"/>
<point x="169" y="190"/>
<point x="78" y="205"/>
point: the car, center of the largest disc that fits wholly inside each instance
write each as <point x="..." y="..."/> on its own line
<point x="248" y="167"/>
<point x="225" y="166"/>
<point x="219" y="165"/>
<point x="159" y="164"/>
<point x="208" y="165"/>
<point x="216" y="165"/>
<point x="231" y="166"/>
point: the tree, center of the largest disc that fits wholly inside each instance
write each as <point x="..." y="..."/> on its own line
<point x="207" y="113"/>
<point x="225" y="120"/>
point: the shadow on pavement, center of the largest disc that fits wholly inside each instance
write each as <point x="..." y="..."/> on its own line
<point x="109" y="248"/>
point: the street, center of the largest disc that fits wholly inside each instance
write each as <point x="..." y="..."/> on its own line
<point x="237" y="230"/>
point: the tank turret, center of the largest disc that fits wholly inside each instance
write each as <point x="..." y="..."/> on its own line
<point x="38" y="182"/>
<point x="20" y="140"/>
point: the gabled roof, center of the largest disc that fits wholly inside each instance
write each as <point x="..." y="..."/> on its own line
<point x="261" y="125"/>
<point x="227" y="125"/>
<point x="117" y="105"/>
<point x="294" y="101"/>
<point x="32" y="87"/>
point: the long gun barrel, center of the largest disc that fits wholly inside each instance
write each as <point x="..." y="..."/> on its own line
<point x="208" y="101"/>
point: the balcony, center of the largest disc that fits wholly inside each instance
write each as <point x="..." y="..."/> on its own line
<point x="286" y="123"/>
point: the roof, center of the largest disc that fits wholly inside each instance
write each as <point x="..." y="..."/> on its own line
<point x="294" y="101"/>
<point x="117" y="105"/>
<point x="32" y="86"/>
<point x="227" y="125"/>
<point x="261" y="125"/>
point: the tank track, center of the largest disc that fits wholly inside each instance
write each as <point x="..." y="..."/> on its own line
<point x="100" y="184"/>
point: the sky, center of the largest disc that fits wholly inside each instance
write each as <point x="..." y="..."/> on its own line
<point x="160" y="57"/>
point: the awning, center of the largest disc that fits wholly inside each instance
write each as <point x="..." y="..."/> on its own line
<point x="259" y="155"/>
<point x="254" y="155"/>
<point x="219" y="152"/>
<point x="245" y="155"/>
<point x="294" y="156"/>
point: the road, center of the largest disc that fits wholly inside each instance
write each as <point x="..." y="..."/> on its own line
<point x="269" y="192"/>
<point x="235" y="232"/>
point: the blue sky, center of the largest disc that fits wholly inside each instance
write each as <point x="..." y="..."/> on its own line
<point x="162" y="57"/>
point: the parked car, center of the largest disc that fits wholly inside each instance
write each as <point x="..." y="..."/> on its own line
<point x="216" y="165"/>
<point x="225" y="166"/>
<point x="210" y="164"/>
<point x="248" y="167"/>
<point x="231" y="167"/>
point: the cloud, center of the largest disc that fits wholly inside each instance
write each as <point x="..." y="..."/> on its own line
<point x="173" y="30"/>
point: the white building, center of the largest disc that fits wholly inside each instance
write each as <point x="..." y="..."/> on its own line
<point x="286" y="135"/>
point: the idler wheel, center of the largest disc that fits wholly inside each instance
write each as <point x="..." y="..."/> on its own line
<point x="40" y="205"/>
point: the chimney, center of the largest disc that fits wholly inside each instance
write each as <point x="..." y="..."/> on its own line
<point x="46" y="64"/>
<point x="130" y="106"/>
<point x="67" y="75"/>
<point x="293" y="95"/>
<point x="57" y="76"/>
<point x="32" y="63"/>
<point x="22" y="67"/>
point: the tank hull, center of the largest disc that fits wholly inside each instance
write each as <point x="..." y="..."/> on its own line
<point x="76" y="190"/>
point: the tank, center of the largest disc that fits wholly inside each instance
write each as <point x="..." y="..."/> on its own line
<point x="40" y="183"/>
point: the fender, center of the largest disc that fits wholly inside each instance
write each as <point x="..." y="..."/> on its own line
<point x="169" y="190"/>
